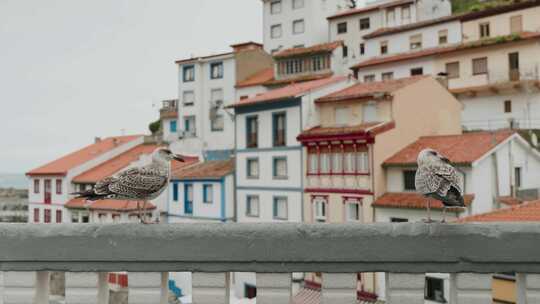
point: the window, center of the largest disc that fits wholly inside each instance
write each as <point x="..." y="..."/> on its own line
<point x="320" y="63"/>
<point x="59" y="216"/>
<point x="516" y="24"/>
<point x="252" y="165"/>
<point x="443" y="36"/>
<point x="275" y="31"/>
<point x="484" y="30"/>
<point x="384" y="47"/>
<point x="85" y="218"/>
<point x="47" y="216"/>
<point x="74" y="217"/>
<point x="189" y="73"/>
<point x="216" y="70"/>
<point x="434" y="290"/>
<point x="173" y="126"/>
<point x="102" y="217"/>
<point x="188" y="199"/>
<point x="324" y="162"/>
<point x="350" y="162"/>
<point x="345" y="51"/>
<point x="252" y="131"/>
<point x="216" y="96"/>
<point x="208" y="194"/>
<point x="364" y="24"/>
<point x="369" y="112"/>
<point x="175" y="192"/>
<point x="452" y="70"/>
<point x="398" y="220"/>
<point x="36" y="185"/>
<point x="479" y="66"/>
<point x="218" y="123"/>
<point x="405" y="12"/>
<point x="353" y="211"/>
<point x="279" y="168"/>
<point x="189" y="125"/>
<point x="116" y="218"/>
<point x="369" y="78"/>
<point x="387" y="76"/>
<point x="275" y="7"/>
<point x="517" y="177"/>
<point x="252" y="206"/>
<point x="415" y="42"/>
<point x="244" y="97"/>
<point x="188" y="98"/>
<point x="319" y="209"/>
<point x="313" y="163"/>
<point x="278" y="129"/>
<point x="362" y="48"/>
<point x="298" y="4"/>
<point x="507" y="106"/>
<point x="513" y="65"/>
<point x="337" y="161"/>
<point x="390" y="15"/>
<point x="36" y="215"/>
<point x="408" y="180"/>
<point x="417" y="71"/>
<point x="250" y="291"/>
<point x="362" y="162"/>
<point x="298" y="26"/>
<point x="280" y="208"/>
<point x="341" y="116"/>
<point x="342" y="28"/>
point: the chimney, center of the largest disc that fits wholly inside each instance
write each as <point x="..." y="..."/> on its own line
<point x="246" y="46"/>
<point x="115" y="141"/>
<point x="97" y="139"/>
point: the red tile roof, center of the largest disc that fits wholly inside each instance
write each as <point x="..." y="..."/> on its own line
<point x="411" y="26"/>
<point x="62" y="165"/>
<point x="304" y="78"/>
<point x="526" y="212"/>
<point x="311" y="50"/>
<point x="187" y="60"/>
<point x="445" y="50"/>
<point x="369" y="89"/>
<point x="509" y="200"/>
<point x="361" y="10"/>
<point x="207" y="170"/>
<point x="107" y="205"/>
<point x="114" y="165"/>
<point x="290" y="91"/>
<point x="319" y="132"/>
<point x="412" y="200"/>
<point x="459" y="149"/>
<point x="259" y="78"/>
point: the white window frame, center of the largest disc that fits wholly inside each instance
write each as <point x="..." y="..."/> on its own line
<point x="249" y="209"/>
<point x="320" y="209"/>
<point x="275" y="201"/>
<point x="298" y="4"/>
<point x="273" y="33"/>
<point x="297" y="23"/>
<point x="276" y="7"/>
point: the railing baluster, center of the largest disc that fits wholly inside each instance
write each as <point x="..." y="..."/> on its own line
<point x="211" y="288"/>
<point x="470" y="288"/>
<point x="103" y="288"/>
<point x="144" y="287"/>
<point x="339" y="288"/>
<point x="164" y="288"/>
<point x="528" y="288"/>
<point x="405" y="288"/>
<point x="82" y="288"/>
<point x="273" y="288"/>
<point x="41" y="295"/>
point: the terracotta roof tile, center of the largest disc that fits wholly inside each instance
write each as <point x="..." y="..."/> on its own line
<point x="369" y="89"/>
<point x="412" y="200"/>
<point x="290" y="91"/>
<point x="459" y="149"/>
<point x="107" y="205"/>
<point x="411" y="26"/>
<point x="62" y="165"/>
<point x="259" y="78"/>
<point x="361" y="10"/>
<point x="188" y="161"/>
<point x="445" y="50"/>
<point x="361" y="129"/>
<point x="188" y="60"/>
<point x="509" y="200"/>
<point x="311" y="50"/>
<point x="207" y="170"/>
<point x="304" y="78"/>
<point x="526" y="212"/>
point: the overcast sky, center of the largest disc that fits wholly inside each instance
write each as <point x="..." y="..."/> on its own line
<point x="71" y="70"/>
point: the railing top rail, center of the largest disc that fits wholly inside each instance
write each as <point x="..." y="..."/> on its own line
<point x="406" y="247"/>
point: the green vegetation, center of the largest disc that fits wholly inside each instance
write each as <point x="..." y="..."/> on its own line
<point x="155" y="126"/>
<point x="464" y="6"/>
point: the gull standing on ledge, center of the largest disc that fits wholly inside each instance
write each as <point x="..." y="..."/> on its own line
<point x="437" y="178"/>
<point x="136" y="184"/>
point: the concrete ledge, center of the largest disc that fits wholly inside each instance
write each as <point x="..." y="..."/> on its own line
<point x="283" y="248"/>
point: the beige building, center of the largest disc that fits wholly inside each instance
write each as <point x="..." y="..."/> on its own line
<point x="359" y="128"/>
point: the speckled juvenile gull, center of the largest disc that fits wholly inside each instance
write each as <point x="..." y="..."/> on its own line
<point x="138" y="183"/>
<point x="437" y="178"/>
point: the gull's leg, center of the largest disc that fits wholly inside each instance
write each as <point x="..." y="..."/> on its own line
<point x="139" y="211"/>
<point x="444" y="215"/>
<point x="429" y="210"/>
<point x="144" y="213"/>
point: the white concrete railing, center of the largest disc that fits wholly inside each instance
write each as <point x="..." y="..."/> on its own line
<point x="211" y="251"/>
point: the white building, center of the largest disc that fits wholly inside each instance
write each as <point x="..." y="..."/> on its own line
<point x="206" y="86"/>
<point x="297" y="23"/>
<point x="496" y="166"/>
<point x="168" y="115"/>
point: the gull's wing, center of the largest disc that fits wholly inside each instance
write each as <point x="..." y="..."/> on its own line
<point x="437" y="177"/>
<point x="139" y="182"/>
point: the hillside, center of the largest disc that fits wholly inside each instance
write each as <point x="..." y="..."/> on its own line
<point x="463" y="6"/>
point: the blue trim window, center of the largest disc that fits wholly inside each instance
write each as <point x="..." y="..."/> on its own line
<point x="188" y="73"/>
<point x="252" y="167"/>
<point x="279" y="125"/>
<point x="280" y="208"/>
<point x="279" y="167"/>
<point x="252" y="131"/>
<point x="189" y="126"/>
<point x="188" y="199"/>
<point x="173" y="125"/>
<point x="216" y="70"/>
<point x="252" y="206"/>
<point x="175" y="192"/>
<point x="208" y="194"/>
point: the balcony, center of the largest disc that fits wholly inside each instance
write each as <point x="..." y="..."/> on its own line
<point x="169" y="109"/>
<point x="470" y="253"/>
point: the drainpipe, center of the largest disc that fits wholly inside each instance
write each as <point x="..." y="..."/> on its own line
<point x="235" y="194"/>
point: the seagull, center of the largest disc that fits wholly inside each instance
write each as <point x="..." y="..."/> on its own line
<point x="437" y="178"/>
<point x="136" y="184"/>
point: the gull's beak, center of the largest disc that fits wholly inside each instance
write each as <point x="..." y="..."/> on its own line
<point x="444" y="159"/>
<point x="178" y="158"/>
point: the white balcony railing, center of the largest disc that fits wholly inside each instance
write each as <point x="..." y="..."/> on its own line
<point x="466" y="79"/>
<point x="211" y="251"/>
